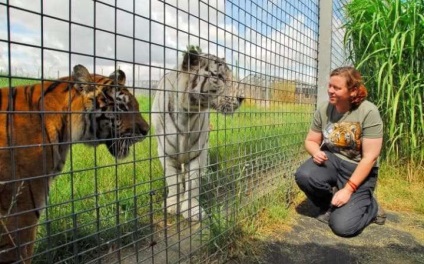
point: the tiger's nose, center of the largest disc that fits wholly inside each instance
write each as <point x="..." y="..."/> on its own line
<point x="141" y="127"/>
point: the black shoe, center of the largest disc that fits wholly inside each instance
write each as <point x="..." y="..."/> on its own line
<point x="380" y="219"/>
<point x="324" y="215"/>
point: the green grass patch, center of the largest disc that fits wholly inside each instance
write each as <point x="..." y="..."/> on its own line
<point x="5" y="82"/>
<point x="397" y="193"/>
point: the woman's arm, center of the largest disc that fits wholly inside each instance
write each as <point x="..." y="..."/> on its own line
<point x="371" y="148"/>
<point x="312" y="145"/>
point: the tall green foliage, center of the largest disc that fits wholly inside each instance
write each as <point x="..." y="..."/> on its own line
<point x="385" y="39"/>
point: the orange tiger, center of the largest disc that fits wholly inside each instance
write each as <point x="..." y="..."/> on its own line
<point x="37" y="125"/>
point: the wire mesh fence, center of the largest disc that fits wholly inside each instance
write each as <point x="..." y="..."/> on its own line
<point x="197" y="111"/>
<point x="339" y="54"/>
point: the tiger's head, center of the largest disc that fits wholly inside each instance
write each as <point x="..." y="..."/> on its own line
<point x="346" y="135"/>
<point x="211" y="83"/>
<point x="114" y="117"/>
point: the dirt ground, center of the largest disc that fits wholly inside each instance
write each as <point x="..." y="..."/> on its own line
<point x="299" y="239"/>
<point x="303" y="239"/>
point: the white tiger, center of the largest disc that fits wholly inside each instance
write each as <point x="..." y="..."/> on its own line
<point x="180" y="116"/>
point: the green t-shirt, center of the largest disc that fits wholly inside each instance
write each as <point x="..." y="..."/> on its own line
<point x="343" y="133"/>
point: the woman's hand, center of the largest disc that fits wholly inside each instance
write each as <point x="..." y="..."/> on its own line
<point x="319" y="157"/>
<point x="341" y="197"/>
<point x="312" y="144"/>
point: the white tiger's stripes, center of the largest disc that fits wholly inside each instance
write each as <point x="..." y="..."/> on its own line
<point x="180" y="116"/>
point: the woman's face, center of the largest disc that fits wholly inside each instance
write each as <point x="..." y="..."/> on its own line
<point x="338" y="93"/>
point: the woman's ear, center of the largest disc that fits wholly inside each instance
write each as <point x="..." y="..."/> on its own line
<point x="354" y="92"/>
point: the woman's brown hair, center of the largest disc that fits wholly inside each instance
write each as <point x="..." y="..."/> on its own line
<point x="353" y="82"/>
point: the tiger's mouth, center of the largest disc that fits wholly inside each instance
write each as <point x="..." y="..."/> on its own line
<point x="228" y="106"/>
<point x="120" y="147"/>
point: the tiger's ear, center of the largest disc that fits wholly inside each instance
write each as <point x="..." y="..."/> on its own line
<point x="191" y="59"/>
<point x="118" y="77"/>
<point x="83" y="79"/>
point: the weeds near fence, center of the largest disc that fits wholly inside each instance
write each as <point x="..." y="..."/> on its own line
<point x="384" y="39"/>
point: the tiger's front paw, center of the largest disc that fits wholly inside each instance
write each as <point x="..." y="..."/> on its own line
<point x="192" y="211"/>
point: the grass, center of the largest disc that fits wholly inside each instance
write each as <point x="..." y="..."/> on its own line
<point x="395" y="192"/>
<point x="4" y="82"/>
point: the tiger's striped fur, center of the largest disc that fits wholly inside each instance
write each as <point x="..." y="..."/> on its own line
<point x="37" y="125"/>
<point x="180" y="116"/>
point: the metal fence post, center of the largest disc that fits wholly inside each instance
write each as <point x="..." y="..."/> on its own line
<point x="324" y="48"/>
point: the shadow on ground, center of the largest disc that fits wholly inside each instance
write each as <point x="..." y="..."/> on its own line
<point x="307" y="240"/>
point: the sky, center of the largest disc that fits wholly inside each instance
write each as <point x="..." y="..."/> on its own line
<point x="274" y="38"/>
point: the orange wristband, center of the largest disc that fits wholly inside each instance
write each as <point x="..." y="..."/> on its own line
<point x="352" y="185"/>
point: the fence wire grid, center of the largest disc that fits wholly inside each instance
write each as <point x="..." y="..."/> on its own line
<point x="196" y="113"/>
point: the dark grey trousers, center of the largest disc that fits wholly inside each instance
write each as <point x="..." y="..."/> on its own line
<point x="316" y="181"/>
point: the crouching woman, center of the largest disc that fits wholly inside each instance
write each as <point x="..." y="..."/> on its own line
<point x="344" y="142"/>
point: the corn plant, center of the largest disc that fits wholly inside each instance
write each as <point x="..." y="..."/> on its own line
<point x="385" y="42"/>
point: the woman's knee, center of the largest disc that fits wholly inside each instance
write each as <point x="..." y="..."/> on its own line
<point x="342" y="230"/>
<point x="302" y="177"/>
<point x="344" y="226"/>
